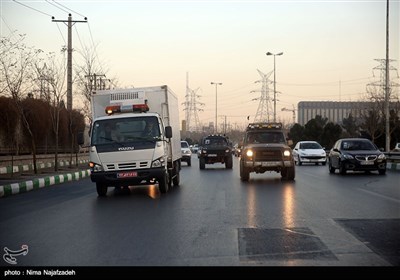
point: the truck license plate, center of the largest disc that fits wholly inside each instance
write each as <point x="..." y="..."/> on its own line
<point x="212" y="155"/>
<point x="127" y="174"/>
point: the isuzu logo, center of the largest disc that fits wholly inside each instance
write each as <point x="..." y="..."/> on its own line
<point x="126" y="148"/>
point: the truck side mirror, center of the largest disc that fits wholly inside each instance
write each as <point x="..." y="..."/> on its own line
<point x="168" y="132"/>
<point x="80" y="138"/>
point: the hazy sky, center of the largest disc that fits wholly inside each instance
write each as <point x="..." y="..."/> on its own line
<point x="329" y="46"/>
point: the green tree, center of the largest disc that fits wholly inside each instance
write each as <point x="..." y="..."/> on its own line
<point x="351" y="127"/>
<point x="314" y="127"/>
<point x="296" y="133"/>
<point x="330" y="134"/>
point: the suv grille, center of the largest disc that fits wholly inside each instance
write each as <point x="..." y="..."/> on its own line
<point x="267" y="154"/>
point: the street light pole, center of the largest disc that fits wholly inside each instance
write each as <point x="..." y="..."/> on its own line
<point x="269" y="53"/>
<point x="216" y="105"/>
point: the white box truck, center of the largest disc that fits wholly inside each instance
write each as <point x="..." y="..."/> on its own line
<point x="135" y="138"/>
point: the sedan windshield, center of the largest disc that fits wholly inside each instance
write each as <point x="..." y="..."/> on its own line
<point x="358" y="146"/>
<point x="310" y="146"/>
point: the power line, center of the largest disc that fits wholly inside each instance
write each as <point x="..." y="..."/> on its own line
<point x="56" y="6"/>
<point x="68" y="9"/>
<point x="32" y="8"/>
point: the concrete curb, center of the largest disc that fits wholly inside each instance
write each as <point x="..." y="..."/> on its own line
<point x="393" y="166"/>
<point x="40" y="165"/>
<point x="37" y="183"/>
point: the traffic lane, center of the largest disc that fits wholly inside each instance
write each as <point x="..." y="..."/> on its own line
<point x="354" y="195"/>
<point x="121" y="229"/>
<point x="200" y="223"/>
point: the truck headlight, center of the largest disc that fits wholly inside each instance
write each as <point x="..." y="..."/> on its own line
<point x="286" y="153"/>
<point x="249" y="153"/>
<point x="158" y="162"/>
<point x="94" y="167"/>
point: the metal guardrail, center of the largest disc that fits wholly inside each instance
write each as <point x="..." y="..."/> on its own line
<point x="393" y="156"/>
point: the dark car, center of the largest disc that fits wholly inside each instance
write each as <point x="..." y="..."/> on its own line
<point x="215" y="149"/>
<point x="356" y="154"/>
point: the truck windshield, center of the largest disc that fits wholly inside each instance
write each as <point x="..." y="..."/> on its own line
<point x="125" y="130"/>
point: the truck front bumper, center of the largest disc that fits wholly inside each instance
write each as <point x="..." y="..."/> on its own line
<point x="127" y="177"/>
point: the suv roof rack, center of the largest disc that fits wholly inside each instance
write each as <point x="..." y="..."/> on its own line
<point x="272" y="125"/>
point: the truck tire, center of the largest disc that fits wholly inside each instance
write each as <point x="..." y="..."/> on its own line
<point x="228" y="162"/>
<point x="177" y="178"/>
<point x="101" y="189"/>
<point x="202" y="163"/>
<point x="244" y="173"/>
<point x="163" y="183"/>
<point x="288" y="173"/>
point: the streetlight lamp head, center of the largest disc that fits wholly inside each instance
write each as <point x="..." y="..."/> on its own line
<point x="279" y="53"/>
<point x="268" y="53"/>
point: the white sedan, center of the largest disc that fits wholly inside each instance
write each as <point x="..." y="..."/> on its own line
<point x="309" y="152"/>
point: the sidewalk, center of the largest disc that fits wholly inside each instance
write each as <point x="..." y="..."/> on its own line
<point x="11" y="184"/>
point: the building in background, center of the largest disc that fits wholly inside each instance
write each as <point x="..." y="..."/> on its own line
<point x="334" y="111"/>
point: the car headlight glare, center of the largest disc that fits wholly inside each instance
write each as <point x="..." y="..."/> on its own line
<point x="346" y="156"/>
<point x="249" y="153"/>
<point x="381" y="157"/>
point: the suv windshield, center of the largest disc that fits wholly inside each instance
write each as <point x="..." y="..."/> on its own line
<point x="265" y="137"/>
<point x="215" y="141"/>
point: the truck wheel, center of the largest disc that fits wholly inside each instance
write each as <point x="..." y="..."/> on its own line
<point x="202" y="163"/>
<point x="177" y="178"/>
<point x="228" y="162"/>
<point x="244" y="173"/>
<point x="163" y="183"/>
<point x="101" y="189"/>
<point x="288" y="173"/>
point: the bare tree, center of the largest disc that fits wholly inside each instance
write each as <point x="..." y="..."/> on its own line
<point x="16" y="70"/>
<point x="51" y="78"/>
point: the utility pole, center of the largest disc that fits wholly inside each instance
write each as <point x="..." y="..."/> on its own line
<point x="387" y="111"/>
<point x="69" y="23"/>
<point x="216" y="105"/>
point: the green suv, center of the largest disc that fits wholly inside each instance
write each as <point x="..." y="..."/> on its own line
<point x="265" y="148"/>
<point x="215" y="148"/>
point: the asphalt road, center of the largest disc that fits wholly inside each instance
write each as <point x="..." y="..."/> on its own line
<point x="211" y="219"/>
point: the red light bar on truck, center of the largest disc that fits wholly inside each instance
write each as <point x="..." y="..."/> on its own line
<point x="137" y="108"/>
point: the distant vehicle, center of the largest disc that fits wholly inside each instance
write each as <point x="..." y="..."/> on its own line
<point x="237" y="150"/>
<point x="215" y="148"/>
<point x="265" y="148"/>
<point x="195" y="148"/>
<point x="356" y="154"/>
<point x="396" y="148"/>
<point x="186" y="153"/>
<point x="309" y="152"/>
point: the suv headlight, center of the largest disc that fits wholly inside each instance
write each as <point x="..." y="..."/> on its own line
<point x="286" y="153"/>
<point x="158" y="162"/>
<point x="249" y="153"/>
<point x="94" y="167"/>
